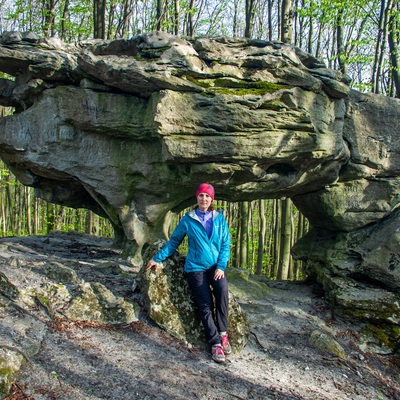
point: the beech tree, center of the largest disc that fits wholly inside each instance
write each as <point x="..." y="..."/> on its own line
<point x="249" y="17"/>
<point x="286" y="21"/>
<point x="394" y="39"/>
<point x="99" y="19"/>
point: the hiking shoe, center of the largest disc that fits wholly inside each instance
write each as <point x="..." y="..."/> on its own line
<point x="218" y="353"/>
<point x="225" y="344"/>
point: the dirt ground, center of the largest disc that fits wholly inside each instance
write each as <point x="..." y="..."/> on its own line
<point x="83" y="360"/>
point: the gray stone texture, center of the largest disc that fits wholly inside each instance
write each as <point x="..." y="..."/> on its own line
<point x="128" y="128"/>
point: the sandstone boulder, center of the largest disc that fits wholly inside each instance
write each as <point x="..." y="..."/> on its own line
<point x="172" y="307"/>
<point x="128" y="128"/>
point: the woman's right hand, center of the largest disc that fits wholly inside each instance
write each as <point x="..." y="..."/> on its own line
<point x="152" y="264"/>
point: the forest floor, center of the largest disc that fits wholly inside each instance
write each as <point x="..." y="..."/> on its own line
<point x="88" y="361"/>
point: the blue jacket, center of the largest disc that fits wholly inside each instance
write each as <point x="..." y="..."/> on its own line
<point x="204" y="252"/>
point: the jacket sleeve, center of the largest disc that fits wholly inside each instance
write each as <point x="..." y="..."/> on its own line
<point x="173" y="243"/>
<point x="225" y="250"/>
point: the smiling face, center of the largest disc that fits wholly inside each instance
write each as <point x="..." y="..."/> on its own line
<point x="204" y="201"/>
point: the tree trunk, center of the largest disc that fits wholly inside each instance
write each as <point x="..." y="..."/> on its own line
<point x="63" y="19"/>
<point x="128" y="6"/>
<point x="277" y="236"/>
<point x="50" y="217"/>
<point x="287" y="22"/>
<point x="270" y="26"/>
<point x="176" y="17"/>
<point x="341" y="56"/>
<point x="28" y="219"/>
<point x="244" y="234"/>
<point x="190" y="23"/>
<point x="393" y="38"/>
<point x="48" y="14"/>
<point x="235" y="18"/>
<point x="99" y="19"/>
<point x="286" y="233"/>
<point x="261" y="236"/>
<point x="159" y="15"/>
<point x="249" y="18"/>
<point x="92" y="223"/>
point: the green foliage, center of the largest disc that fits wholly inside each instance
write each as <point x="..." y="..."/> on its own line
<point x="23" y="215"/>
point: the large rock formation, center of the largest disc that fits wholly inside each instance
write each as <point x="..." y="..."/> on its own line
<point x="128" y="128"/>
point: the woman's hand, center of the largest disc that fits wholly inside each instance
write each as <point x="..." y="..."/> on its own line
<point x="152" y="264"/>
<point x="219" y="274"/>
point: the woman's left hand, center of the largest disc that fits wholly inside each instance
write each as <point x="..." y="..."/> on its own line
<point x="219" y="274"/>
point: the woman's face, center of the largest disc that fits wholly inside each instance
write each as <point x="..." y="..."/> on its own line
<point x="204" y="201"/>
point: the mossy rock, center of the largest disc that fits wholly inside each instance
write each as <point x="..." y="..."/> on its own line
<point x="87" y="301"/>
<point x="327" y="343"/>
<point x="171" y="306"/>
<point x="246" y="286"/>
<point x="60" y="273"/>
<point x="235" y="86"/>
<point x="7" y="287"/>
<point x="10" y="364"/>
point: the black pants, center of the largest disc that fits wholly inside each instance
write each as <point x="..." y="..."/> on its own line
<point x="199" y="283"/>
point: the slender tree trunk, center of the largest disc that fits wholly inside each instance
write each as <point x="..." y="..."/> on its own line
<point x="92" y="223"/>
<point x="160" y="15"/>
<point x="261" y="236"/>
<point x="235" y="18"/>
<point x="244" y="234"/>
<point x="277" y="235"/>
<point x="3" y="214"/>
<point x="99" y="19"/>
<point x="286" y="22"/>
<point x="111" y="16"/>
<point x="252" y="240"/>
<point x="128" y="7"/>
<point x="28" y="210"/>
<point x="249" y="18"/>
<point x="286" y="233"/>
<point x="381" y="46"/>
<point x="64" y="17"/>
<point x="394" y="47"/>
<point x="270" y="26"/>
<point x="298" y="26"/>
<point x="50" y="217"/>
<point x="48" y="13"/>
<point x="176" y="17"/>
<point x="59" y="217"/>
<point x="341" y="56"/>
<point x="35" y="217"/>
<point x="190" y="23"/>
<point x="378" y="45"/>
<point x="317" y="52"/>
<point x="310" y="32"/>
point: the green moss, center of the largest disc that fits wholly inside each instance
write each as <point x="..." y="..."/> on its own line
<point x="204" y="83"/>
<point x="243" y="84"/>
<point x="153" y="54"/>
<point x="43" y="300"/>
<point x="7" y="287"/>
<point x="6" y="371"/>
<point x="236" y="87"/>
<point x="383" y="334"/>
<point x="240" y="91"/>
<point x="7" y="375"/>
<point x="274" y="105"/>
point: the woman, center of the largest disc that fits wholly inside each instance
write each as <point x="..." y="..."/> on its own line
<point x="205" y="264"/>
